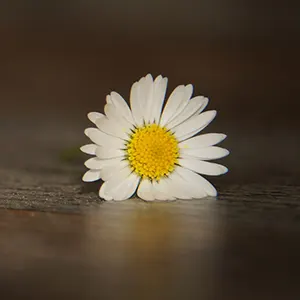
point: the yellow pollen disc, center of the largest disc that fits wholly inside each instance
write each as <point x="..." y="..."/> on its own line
<point x="152" y="151"/>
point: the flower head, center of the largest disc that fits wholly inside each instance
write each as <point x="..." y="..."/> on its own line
<point x="153" y="150"/>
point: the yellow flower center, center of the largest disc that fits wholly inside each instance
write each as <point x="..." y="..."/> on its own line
<point x="152" y="151"/>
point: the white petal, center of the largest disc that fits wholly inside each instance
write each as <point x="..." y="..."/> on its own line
<point x="88" y="131"/>
<point x="122" y="106"/>
<point x="110" y="171"/>
<point x="113" y="128"/>
<point x="138" y="99"/>
<point x="145" y="190"/>
<point x="204" y="153"/>
<point x="108" y="99"/>
<point x="97" y="163"/>
<point x="148" y="92"/>
<point x="202" y="167"/>
<point x="109" y="152"/>
<point x="189" y="110"/>
<point x="202" y="141"/>
<point x="103" y="139"/>
<point x="108" y="162"/>
<point x="188" y="91"/>
<point x="114" y="181"/>
<point x="204" y="104"/>
<point x="91" y="175"/>
<point x="193" y="125"/>
<point x="93" y="163"/>
<point x="161" y="191"/>
<point x="89" y="149"/>
<point x="173" y="187"/>
<point x="135" y="104"/>
<point x="195" y="191"/>
<point x="103" y="194"/>
<point x="179" y="187"/>
<point x="198" y="183"/>
<point x="126" y="188"/>
<point x="94" y="116"/>
<point x="174" y="101"/>
<point x="113" y="114"/>
<point x="159" y="93"/>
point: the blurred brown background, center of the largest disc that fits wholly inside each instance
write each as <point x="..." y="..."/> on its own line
<point x="58" y="61"/>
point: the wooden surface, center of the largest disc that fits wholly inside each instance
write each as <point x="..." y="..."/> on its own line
<point x="134" y="250"/>
<point x="68" y="244"/>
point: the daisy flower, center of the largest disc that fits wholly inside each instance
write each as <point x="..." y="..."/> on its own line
<point x="151" y="148"/>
